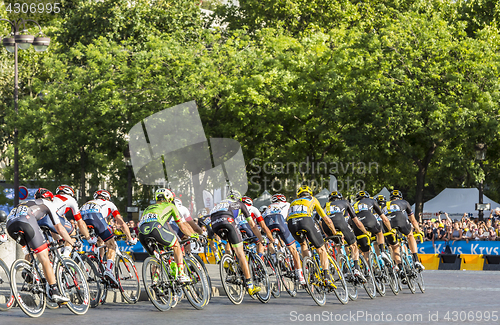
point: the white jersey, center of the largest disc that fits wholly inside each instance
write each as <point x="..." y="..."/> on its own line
<point x="37" y="208"/>
<point x="255" y="213"/>
<point x="100" y="206"/>
<point x="277" y="208"/>
<point x="184" y="214"/>
<point x="65" y="203"/>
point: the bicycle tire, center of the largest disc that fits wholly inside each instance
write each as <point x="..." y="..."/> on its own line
<point x="197" y="296"/>
<point x="287" y="273"/>
<point x="260" y="278"/>
<point x="274" y="275"/>
<point x="378" y="274"/>
<point x="209" y="280"/>
<point x="6" y="297"/>
<point x="338" y="276"/>
<point x="314" y="281"/>
<point x="410" y="282"/>
<point x="72" y="283"/>
<point x="420" y="280"/>
<point x="351" y="282"/>
<point x="231" y="279"/>
<point x="93" y="279"/>
<point x="128" y="279"/>
<point x="100" y="271"/>
<point x="369" y="285"/>
<point x="30" y="296"/>
<point x="159" y="290"/>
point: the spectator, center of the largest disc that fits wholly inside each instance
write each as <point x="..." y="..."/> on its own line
<point x="495" y="214"/>
<point x="492" y="235"/>
<point x="134" y="231"/>
<point x="441" y="232"/>
<point x="481" y="235"/>
<point x="456" y="232"/>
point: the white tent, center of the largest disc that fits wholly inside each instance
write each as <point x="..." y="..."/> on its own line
<point x="322" y="196"/>
<point x="264" y="199"/>
<point x="456" y="202"/>
<point x="385" y="192"/>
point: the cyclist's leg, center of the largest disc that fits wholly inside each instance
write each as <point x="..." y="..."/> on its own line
<point x="288" y="239"/>
<point x="295" y="229"/>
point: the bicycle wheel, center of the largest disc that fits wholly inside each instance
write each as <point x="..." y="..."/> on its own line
<point x="232" y="280"/>
<point x="93" y="279"/>
<point x="408" y="278"/>
<point x="287" y="274"/>
<point x="6" y="296"/>
<point x="352" y="288"/>
<point x="29" y="292"/>
<point x="378" y="274"/>
<point x="314" y="281"/>
<point x="369" y="285"/>
<point x="128" y="279"/>
<point x="157" y="284"/>
<point x="209" y="280"/>
<point x="339" y="278"/>
<point x="420" y="280"/>
<point x="392" y="277"/>
<point x="197" y="291"/>
<point x="72" y="283"/>
<point x="260" y="277"/>
<point x="274" y="275"/>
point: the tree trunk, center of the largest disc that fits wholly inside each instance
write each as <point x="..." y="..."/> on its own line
<point x="83" y="165"/>
<point x="419" y="196"/>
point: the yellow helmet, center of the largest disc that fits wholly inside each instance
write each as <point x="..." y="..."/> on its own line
<point x="303" y="190"/>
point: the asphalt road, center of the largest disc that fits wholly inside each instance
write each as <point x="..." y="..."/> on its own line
<point x="452" y="297"/>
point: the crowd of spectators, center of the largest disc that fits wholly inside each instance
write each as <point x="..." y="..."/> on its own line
<point x="466" y="228"/>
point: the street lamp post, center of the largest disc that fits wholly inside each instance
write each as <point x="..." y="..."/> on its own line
<point x="480" y="156"/>
<point x="23" y="41"/>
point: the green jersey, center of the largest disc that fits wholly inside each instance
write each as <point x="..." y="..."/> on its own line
<point x="161" y="212"/>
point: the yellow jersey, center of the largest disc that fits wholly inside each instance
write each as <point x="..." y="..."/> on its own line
<point x="304" y="207"/>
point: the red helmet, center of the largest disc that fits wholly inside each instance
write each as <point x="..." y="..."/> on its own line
<point x="247" y="200"/>
<point x="278" y="198"/>
<point x="65" y="189"/>
<point x="102" y="193"/>
<point x="44" y="193"/>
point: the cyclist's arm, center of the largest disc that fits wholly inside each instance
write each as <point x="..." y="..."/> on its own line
<point x="268" y="232"/>
<point x="123" y="226"/>
<point x="379" y="211"/>
<point x="248" y="217"/>
<point x="195" y="227"/>
<point x="323" y="215"/>
<point x="83" y="228"/>
<point x="64" y="234"/>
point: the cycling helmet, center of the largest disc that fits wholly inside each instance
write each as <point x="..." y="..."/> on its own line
<point x="361" y="194"/>
<point x="263" y="209"/>
<point x="278" y="198"/>
<point x="44" y="193"/>
<point x="304" y="190"/>
<point x="247" y="200"/>
<point x="102" y="193"/>
<point x="65" y="189"/>
<point x="234" y="194"/>
<point x="381" y="200"/>
<point x="335" y="196"/>
<point x="164" y="194"/>
<point x="396" y="194"/>
<point x="3" y="216"/>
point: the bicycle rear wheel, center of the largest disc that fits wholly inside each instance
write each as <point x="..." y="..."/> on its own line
<point x="72" y="283"/>
<point x="420" y="280"/>
<point x="274" y="275"/>
<point x="408" y="278"/>
<point x="352" y="288"/>
<point x="232" y="281"/>
<point x="369" y="285"/>
<point x="378" y="274"/>
<point x="6" y="297"/>
<point x="339" y="278"/>
<point x="128" y="279"/>
<point x="287" y="273"/>
<point x="157" y="284"/>
<point x="28" y="291"/>
<point x="196" y="292"/>
<point x="93" y="279"/>
<point x="207" y="276"/>
<point x="260" y="277"/>
<point x="392" y="275"/>
<point x="314" y="281"/>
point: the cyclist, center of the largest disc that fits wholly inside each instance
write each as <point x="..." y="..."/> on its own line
<point x="400" y="216"/>
<point x="365" y="207"/>
<point x="223" y="217"/>
<point x="340" y="212"/>
<point x="185" y="217"/>
<point x="300" y="221"/>
<point x="94" y="214"/>
<point x="205" y="221"/>
<point x="249" y="227"/>
<point x="274" y="218"/>
<point x="64" y="201"/>
<point x="154" y="224"/>
<point x="23" y="219"/>
<point x="259" y="221"/>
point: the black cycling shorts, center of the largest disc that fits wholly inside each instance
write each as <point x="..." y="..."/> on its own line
<point x="340" y="225"/>
<point x="390" y="239"/>
<point x="305" y="227"/>
<point x="401" y="222"/>
<point x="371" y="224"/>
<point x="156" y="231"/>
<point x="225" y="227"/>
<point x="33" y="236"/>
